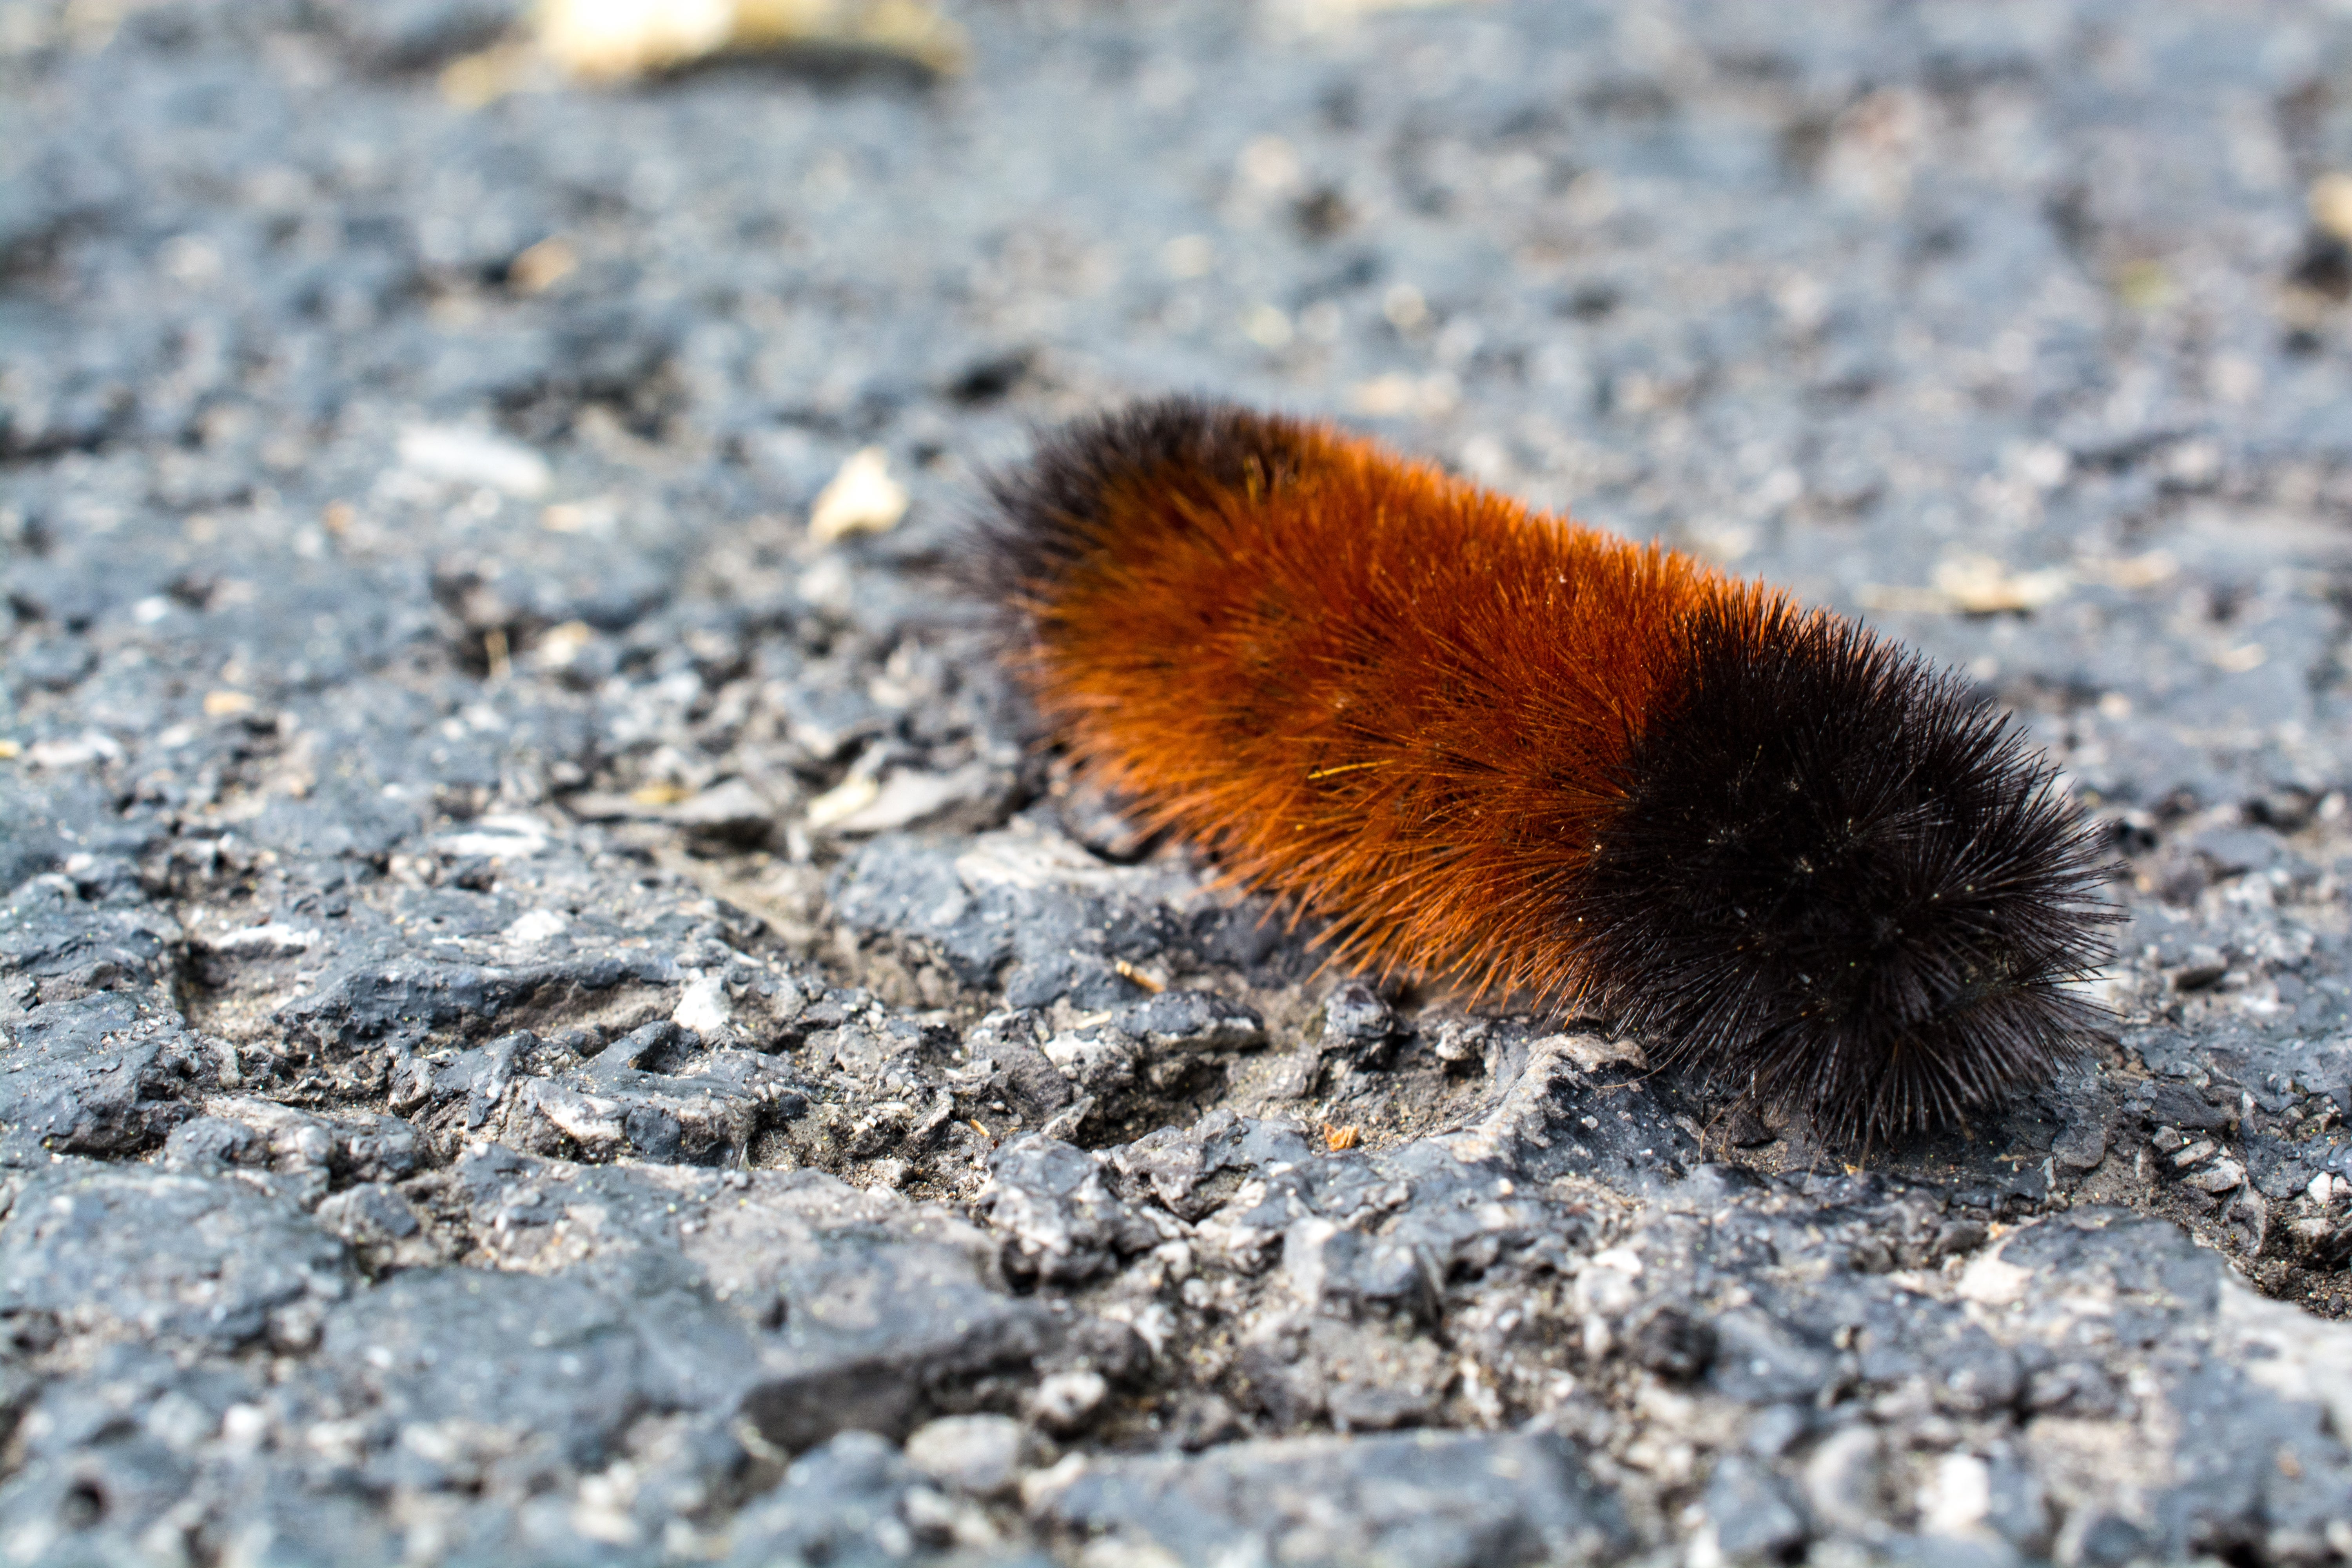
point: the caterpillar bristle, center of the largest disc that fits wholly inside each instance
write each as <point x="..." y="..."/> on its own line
<point x="1499" y="748"/>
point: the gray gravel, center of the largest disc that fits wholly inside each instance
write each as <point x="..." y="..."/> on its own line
<point x="548" y="1018"/>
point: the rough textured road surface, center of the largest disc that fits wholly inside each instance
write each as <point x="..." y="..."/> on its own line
<point x="550" y="1015"/>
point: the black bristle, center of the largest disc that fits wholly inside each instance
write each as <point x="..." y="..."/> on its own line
<point x="1842" y="885"/>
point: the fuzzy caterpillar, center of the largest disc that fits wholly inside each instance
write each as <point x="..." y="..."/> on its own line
<point x="1499" y="748"/>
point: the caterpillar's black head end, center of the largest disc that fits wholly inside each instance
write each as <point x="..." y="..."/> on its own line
<point x="1046" y="517"/>
<point x="1843" y="887"/>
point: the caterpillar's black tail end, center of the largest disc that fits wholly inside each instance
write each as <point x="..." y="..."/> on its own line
<point x="1846" y="888"/>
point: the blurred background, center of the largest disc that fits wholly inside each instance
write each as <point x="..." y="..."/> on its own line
<point x="2019" y="326"/>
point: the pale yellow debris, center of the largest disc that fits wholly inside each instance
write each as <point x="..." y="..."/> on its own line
<point x="2331" y="205"/>
<point x="1130" y="971"/>
<point x="1974" y="585"/>
<point x="1429" y="397"/>
<point x="544" y="265"/>
<point x="611" y="40"/>
<point x="1979" y="585"/>
<point x="843" y="800"/>
<point x="1320" y="13"/>
<point x="475" y="80"/>
<point x="2238" y="660"/>
<point x="560" y="645"/>
<point x="496" y="653"/>
<point x="861" y="498"/>
<point x="2146" y="284"/>
<point x="2139" y="571"/>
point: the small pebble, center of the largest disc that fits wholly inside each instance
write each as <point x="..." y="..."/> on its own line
<point x="2220" y="1178"/>
<point x="1066" y="1402"/>
<point x="976" y="1454"/>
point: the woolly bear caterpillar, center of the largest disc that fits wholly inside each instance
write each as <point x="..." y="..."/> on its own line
<point x="1497" y="747"/>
